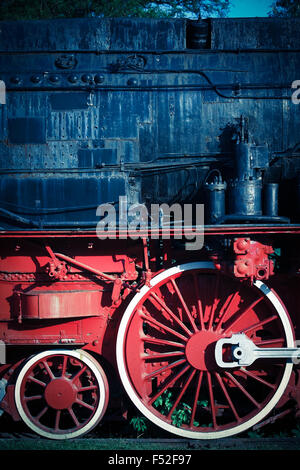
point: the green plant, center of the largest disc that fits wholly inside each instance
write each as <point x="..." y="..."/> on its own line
<point x="164" y="402"/>
<point x="139" y="423"/>
<point x="182" y="413"/>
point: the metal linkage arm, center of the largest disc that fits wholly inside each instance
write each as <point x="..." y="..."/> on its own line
<point x="241" y="351"/>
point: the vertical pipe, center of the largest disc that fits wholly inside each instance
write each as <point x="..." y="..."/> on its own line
<point x="271" y="199"/>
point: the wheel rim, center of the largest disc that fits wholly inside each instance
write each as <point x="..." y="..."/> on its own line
<point x="165" y="351"/>
<point x="61" y="394"/>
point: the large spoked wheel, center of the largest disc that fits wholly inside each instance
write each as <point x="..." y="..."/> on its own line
<point x="61" y="394"/>
<point x="166" y="351"/>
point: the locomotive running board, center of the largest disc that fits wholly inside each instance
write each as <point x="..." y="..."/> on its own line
<point x="243" y="352"/>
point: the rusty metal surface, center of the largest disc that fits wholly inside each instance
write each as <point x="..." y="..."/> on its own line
<point x="100" y="108"/>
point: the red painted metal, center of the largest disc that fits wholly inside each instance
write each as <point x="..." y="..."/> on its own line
<point x="252" y="259"/>
<point x="60" y="304"/>
<point x="84" y="266"/>
<point x="198" y="345"/>
<point x="74" y="332"/>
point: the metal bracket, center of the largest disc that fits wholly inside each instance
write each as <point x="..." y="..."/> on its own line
<point x="241" y="351"/>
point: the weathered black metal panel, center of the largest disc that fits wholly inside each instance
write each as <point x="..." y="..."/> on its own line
<point x="58" y="35"/>
<point x="144" y="35"/>
<point x="96" y="158"/>
<point x="92" y="34"/>
<point x="68" y="101"/>
<point x="98" y="108"/>
<point x="27" y="130"/>
<point x="258" y="33"/>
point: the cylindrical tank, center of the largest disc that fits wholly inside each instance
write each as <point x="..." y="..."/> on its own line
<point x="271" y="199"/>
<point x="243" y="161"/>
<point x="245" y="197"/>
<point x="214" y="199"/>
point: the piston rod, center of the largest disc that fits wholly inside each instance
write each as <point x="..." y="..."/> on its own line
<point x="241" y="351"/>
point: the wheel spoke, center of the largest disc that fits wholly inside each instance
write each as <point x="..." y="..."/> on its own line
<point x="259" y="324"/>
<point x="259" y="379"/>
<point x="240" y="315"/>
<point x="73" y="416"/>
<point x="64" y="367"/>
<point x="182" y="301"/>
<point x="168" y="384"/>
<point x="162" y="342"/>
<point x="199" y="303"/>
<point x="222" y="385"/>
<point x="215" y="302"/>
<point x="172" y="315"/>
<point x="88" y="388"/>
<point x="86" y="405"/>
<point x="196" y="397"/>
<point x="226" y="309"/>
<point x="211" y="397"/>
<point x="161" y="356"/>
<point x="247" y="394"/>
<point x="47" y="367"/>
<point x="272" y="342"/>
<point x="164" y="369"/>
<point x="154" y="322"/>
<point x="37" y="381"/>
<point x="44" y="410"/>
<point x="33" y="397"/>
<point x="79" y="373"/>
<point x="182" y="392"/>
<point x="57" y="419"/>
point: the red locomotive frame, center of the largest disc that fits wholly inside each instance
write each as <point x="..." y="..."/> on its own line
<point x="74" y="306"/>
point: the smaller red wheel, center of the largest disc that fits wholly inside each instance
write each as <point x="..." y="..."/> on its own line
<point x="61" y="394"/>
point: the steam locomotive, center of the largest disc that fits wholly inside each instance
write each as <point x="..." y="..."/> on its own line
<point x="128" y="115"/>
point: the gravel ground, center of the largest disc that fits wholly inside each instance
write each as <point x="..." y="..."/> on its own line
<point x="15" y="442"/>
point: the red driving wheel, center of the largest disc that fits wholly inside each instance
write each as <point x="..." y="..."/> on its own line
<point x="166" y="351"/>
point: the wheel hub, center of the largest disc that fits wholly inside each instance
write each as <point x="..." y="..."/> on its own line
<point x="60" y="394"/>
<point x="200" y="350"/>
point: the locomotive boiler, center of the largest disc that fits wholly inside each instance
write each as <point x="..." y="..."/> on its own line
<point x="165" y="114"/>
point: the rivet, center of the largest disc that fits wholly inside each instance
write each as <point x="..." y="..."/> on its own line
<point x="36" y="78"/>
<point x="132" y="82"/>
<point x="54" y="78"/>
<point x="15" y="80"/>
<point x="99" y="78"/>
<point x="73" y="78"/>
<point x="87" y="78"/>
